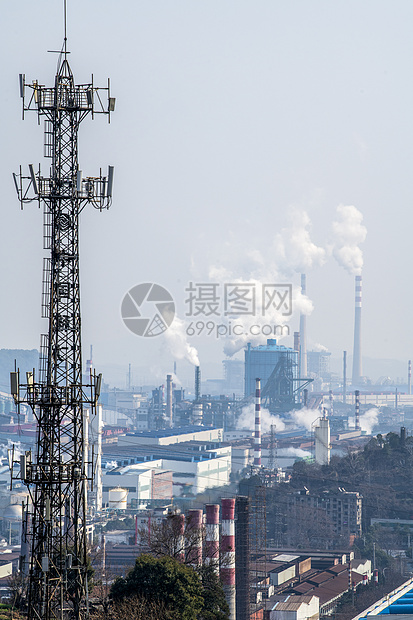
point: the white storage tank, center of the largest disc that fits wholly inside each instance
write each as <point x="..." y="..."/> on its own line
<point x="118" y="498"/>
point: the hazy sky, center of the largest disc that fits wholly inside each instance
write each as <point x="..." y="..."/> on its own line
<point x="228" y="115"/>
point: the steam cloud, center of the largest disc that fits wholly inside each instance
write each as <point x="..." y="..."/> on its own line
<point x="293" y="246"/>
<point x="369" y="420"/>
<point x="247" y="419"/>
<point x="292" y="251"/>
<point x="298" y="452"/>
<point x="349" y="232"/>
<point x="177" y="342"/>
<point x="304" y="417"/>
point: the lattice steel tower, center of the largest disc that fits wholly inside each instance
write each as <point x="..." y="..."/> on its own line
<point x="57" y="475"/>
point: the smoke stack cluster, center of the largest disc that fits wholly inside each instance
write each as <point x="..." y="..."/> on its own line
<point x="257" y="435"/>
<point x="357" y="372"/>
<point x="303" y="333"/>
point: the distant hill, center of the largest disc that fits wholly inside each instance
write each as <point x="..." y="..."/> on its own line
<point x="26" y="360"/>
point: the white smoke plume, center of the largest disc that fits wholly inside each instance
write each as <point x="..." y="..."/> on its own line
<point x="247" y="420"/>
<point x="320" y="348"/>
<point x="292" y="251"/>
<point x="6" y="448"/>
<point x="293" y="247"/>
<point x="177" y="342"/>
<point x="349" y="232"/>
<point x="369" y="420"/>
<point x="304" y="417"/>
<point x="298" y="452"/>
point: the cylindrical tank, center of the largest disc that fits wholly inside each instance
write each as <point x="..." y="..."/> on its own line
<point x="118" y="498"/>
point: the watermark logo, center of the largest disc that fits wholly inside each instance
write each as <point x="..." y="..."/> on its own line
<point x="238" y="299"/>
<point x="148" y="310"/>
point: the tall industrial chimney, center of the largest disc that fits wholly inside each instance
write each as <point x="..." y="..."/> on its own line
<point x="409" y="377"/>
<point x="197" y="383"/>
<point x="181" y="538"/>
<point x="197" y="406"/>
<point x="228" y="553"/>
<point x="242" y="551"/>
<point x="357" y="410"/>
<point x="296" y="344"/>
<point x="195" y="518"/>
<point x="212" y="536"/>
<point x="257" y="435"/>
<point x="344" y="377"/>
<point x="303" y="332"/>
<point x="357" y="372"/>
<point x="169" y="399"/>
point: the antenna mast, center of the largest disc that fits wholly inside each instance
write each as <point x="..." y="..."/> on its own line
<point x="57" y="474"/>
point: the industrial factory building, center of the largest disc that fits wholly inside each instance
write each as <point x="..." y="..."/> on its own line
<point x="195" y="464"/>
<point x="342" y="508"/>
<point x="277" y="367"/>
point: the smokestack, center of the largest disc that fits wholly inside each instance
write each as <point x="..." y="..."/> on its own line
<point x="257" y="435"/>
<point x="89" y="362"/>
<point x="95" y="449"/>
<point x="181" y="538"/>
<point x="194" y="527"/>
<point x="212" y="536"/>
<point x="357" y="372"/>
<point x="344" y="377"/>
<point x="228" y="553"/>
<point x="197" y="384"/>
<point x="242" y="550"/>
<point x="357" y="410"/>
<point x="331" y="403"/>
<point x="296" y="345"/>
<point x="169" y="399"/>
<point x="409" y="377"/>
<point x="303" y="333"/>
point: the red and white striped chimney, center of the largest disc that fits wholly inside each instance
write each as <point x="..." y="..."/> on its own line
<point x="357" y="372"/>
<point x="194" y="529"/>
<point x="212" y="536"/>
<point x="181" y="537"/>
<point x="257" y="435"/>
<point x="228" y="553"/>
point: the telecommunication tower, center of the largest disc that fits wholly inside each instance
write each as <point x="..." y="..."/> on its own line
<point x="58" y="473"/>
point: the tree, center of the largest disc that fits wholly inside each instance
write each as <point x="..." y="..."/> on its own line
<point x="165" y="581"/>
<point x="215" y="606"/>
<point x="132" y="608"/>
